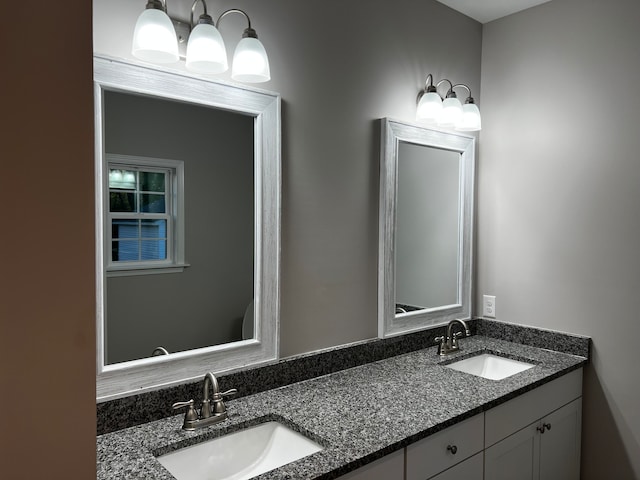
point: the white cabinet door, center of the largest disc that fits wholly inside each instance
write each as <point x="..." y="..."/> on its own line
<point x="560" y="443"/>
<point x="390" y="467"/>
<point x="546" y="450"/>
<point x="470" y="469"/>
<point x="514" y="458"/>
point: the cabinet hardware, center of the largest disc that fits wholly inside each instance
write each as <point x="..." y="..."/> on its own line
<point x="544" y="427"/>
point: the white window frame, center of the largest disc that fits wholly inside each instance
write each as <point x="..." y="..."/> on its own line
<point x="175" y="261"/>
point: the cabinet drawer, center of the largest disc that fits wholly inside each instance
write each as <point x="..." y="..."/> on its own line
<point x="390" y="467"/>
<point x="470" y="469"/>
<point x="521" y="411"/>
<point x="430" y="456"/>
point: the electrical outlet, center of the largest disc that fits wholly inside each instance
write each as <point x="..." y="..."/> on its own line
<point x="489" y="306"/>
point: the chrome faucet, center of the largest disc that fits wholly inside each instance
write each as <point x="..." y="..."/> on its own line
<point x="449" y="342"/>
<point x="213" y="410"/>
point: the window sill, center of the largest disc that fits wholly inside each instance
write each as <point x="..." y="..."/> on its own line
<point x="129" y="271"/>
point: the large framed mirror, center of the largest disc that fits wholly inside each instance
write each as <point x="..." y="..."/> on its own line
<point x="425" y="227"/>
<point x="188" y="182"/>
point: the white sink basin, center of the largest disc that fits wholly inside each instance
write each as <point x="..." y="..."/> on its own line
<point x="240" y="455"/>
<point x="490" y="366"/>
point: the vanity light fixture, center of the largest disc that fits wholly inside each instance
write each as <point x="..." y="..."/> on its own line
<point x="449" y="112"/>
<point x="155" y="40"/>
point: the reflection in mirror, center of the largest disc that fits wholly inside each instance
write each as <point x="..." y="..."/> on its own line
<point x="204" y="303"/>
<point x="187" y="227"/>
<point x="427" y="227"/>
<point x="426" y="206"/>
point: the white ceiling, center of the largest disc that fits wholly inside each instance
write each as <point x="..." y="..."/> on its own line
<point x="486" y="10"/>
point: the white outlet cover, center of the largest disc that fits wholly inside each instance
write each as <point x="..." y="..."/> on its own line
<point x="489" y="306"/>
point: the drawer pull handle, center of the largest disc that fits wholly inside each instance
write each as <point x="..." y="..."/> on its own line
<point x="452" y="448"/>
<point x="545" y="426"/>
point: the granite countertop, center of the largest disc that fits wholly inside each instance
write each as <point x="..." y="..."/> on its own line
<point x="358" y="415"/>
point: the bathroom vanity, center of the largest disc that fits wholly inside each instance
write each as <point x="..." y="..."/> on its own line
<point x="405" y="413"/>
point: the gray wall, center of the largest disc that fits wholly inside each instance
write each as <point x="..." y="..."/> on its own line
<point x="559" y="199"/>
<point x="339" y="67"/>
<point x="203" y="305"/>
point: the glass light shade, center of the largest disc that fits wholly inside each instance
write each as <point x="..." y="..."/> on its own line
<point x="250" y="62"/>
<point x="206" y="52"/>
<point x="154" y="38"/>
<point x="115" y="177"/>
<point x="429" y="107"/>
<point x="129" y="178"/>
<point x="451" y="112"/>
<point x="470" y="120"/>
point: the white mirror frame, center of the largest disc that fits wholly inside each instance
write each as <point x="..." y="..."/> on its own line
<point x="129" y="378"/>
<point x="394" y="132"/>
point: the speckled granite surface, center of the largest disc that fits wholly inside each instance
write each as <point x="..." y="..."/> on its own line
<point x="358" y="415"/>
<point x="149" y="406"/>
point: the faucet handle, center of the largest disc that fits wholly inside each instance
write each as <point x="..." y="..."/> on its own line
<point x="455" y="337"/>
<point x="218" y="407"/>
<point x="178" y="405"/>
<point x="441" y="342"/>
<point x="191" y="414"/>
<point x="229" y="393"/>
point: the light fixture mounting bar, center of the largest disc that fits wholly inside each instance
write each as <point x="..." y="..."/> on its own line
<point x="183" y="30"/>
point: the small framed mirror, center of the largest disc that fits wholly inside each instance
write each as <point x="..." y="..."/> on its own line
<point x="425" y="227"/>
<point x="187" y="227"/>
